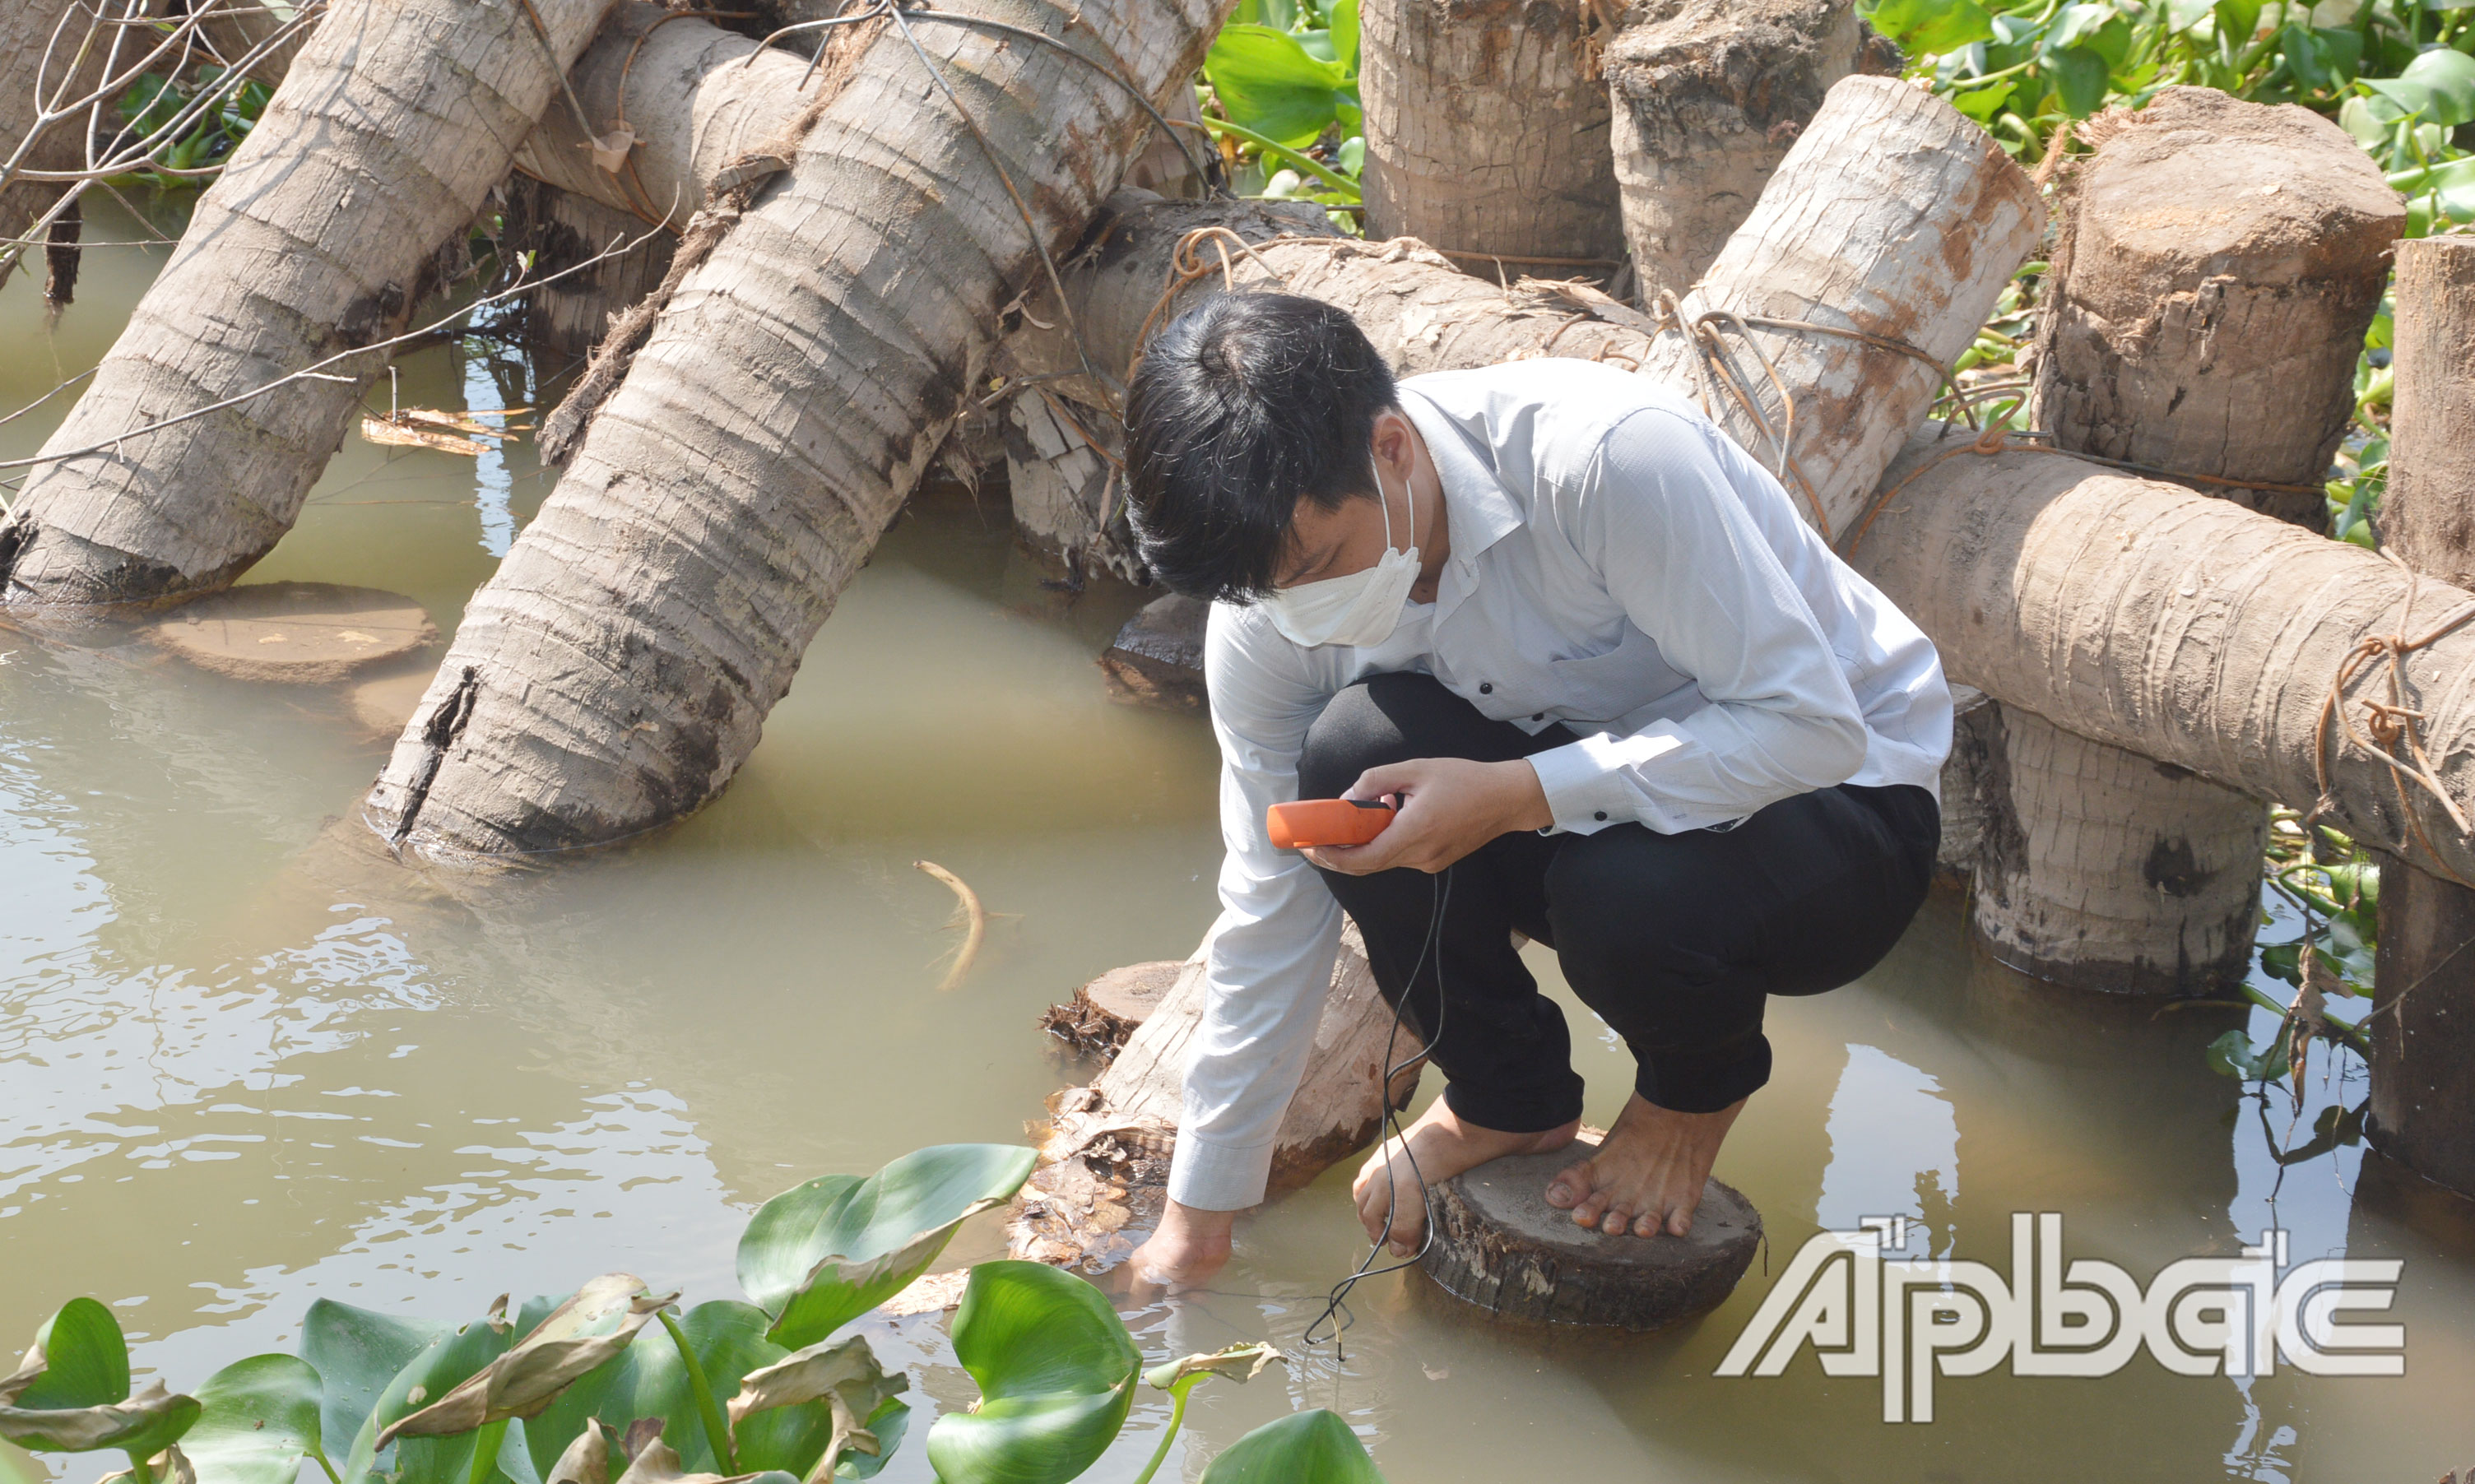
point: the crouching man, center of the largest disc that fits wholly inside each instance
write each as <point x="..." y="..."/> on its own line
<point x="1629" y="704"/>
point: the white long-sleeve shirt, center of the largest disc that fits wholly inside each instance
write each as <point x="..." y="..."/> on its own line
<point x="1619" y="566"/>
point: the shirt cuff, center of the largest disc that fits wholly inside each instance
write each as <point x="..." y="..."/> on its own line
<point x="1585" y="782"/>
<point x="1219" y="1176"/>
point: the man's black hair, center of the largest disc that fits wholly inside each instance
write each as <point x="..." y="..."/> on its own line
<point x="1240" y="409"/>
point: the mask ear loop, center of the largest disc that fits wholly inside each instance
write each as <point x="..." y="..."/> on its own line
<point x="1408" y="503"/>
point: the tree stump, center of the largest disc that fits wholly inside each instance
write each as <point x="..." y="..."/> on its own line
<point x="1157" y="659"/>
<point x="298" y="632"/>
<point x="1486" y="131"/>
<point x="1104" y="1012"/>
<point x="2424" y="1040"/>
<point x="2215" y="272"/>
<point x="1498" y="1245"/>
<point x="1708" y="97"/>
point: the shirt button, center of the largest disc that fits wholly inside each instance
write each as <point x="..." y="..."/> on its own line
<point x="1541" y="717"/>
<point x="1486" y="687"/>
<point x="1601" y="816"/>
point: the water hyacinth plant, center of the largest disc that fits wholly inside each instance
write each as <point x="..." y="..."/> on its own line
<point x="615" y="1384"/>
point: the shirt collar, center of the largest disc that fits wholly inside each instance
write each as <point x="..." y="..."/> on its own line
<point x="1476" y="507"/>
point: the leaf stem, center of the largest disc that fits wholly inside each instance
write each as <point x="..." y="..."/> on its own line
<point x="141" y="1473"/>
<point x="717" y="1429"/>
<point x="1176" y="1420"/>
<point x="485" y="1452"/>
<point x="319" y="1455"/>
<point x="1305" y="162"/>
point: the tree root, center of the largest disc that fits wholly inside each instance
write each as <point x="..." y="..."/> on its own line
<point x="975" y="918"/>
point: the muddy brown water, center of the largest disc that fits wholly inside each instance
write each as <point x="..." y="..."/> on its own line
<point x="240" y="1070"/>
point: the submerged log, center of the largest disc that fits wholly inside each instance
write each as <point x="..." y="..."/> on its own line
<point x="1708" y="95"/>
<point x="2182" y="627"/>
<point x="323" y="234"/>
<point x="1105" y="1161"/>
<point x="2212" y="284"/>
<point x="295" y="633"/>
<point x="617" y="668"/>
<point x="1498" y="1245"/>
<point x="2424" y="1026"/>
<point x="1486" y="131"/>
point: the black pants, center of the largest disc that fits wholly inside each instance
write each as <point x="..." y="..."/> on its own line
<point x="1674" y="939"/>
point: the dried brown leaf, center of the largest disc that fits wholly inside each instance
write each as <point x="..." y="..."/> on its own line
<point x="846" y="1376"/>
<point x="528" y="1378"/>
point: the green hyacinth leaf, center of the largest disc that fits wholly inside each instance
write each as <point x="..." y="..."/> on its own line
<point x="1305" y="1447"/>
<point x="821" y="1254"/>
<point x="585" y="1332"/>
<point x="79" y="1359"/>
<point x="1268" y="81"/>
<point x="356" y="1352"/>
<point x="1056" y="1370"/>
<point x="260" y="1418"/>
<point x="437" y="1368"/>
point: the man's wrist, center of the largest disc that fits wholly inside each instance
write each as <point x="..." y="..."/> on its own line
<point x="1528" y="807"/>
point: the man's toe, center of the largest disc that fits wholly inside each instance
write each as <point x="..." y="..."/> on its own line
<point x="1646" y="1224"/>
<point x="1570" y="1187"/>
<point x="1617" y="1220"/>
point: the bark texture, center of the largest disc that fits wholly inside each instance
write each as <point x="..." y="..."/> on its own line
<point x="2100" y="868"/>
<point x="2423" y="1027"/>
<point x="1157" y="659"/>
<point x="569" y="316"/>
<point x="1707" y="96"/>
<point x="2218" y="266"/>
<point x="1105" y="1161"/>
<point x="25" y="31"/>
<point x="1498" y="1245"/>
<point x="2423" y="1038"/>
<point x="618" y="667"/>
<point x="690" y="98"/>
<point x="2183" y="627"/>
<point x="1486" y="128"/>
<point x="321" y="236"/>
<point x="1975" y="736"/>
<point x="1893" y="216"/>
<point x="2428" y="511"/>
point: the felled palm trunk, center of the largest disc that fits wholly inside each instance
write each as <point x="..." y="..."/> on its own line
<point x="1487" y="131"/>
<point x="2423" y="1038"/>
<point x="2183" y="627"/>
<point x="618" y="667"/>
<point x="25" y="31"/>
<point x="323" y="234"/>
<point x="1708" y="97"/>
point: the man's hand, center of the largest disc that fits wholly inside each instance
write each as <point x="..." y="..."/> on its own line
<point x="1449" y="807"/>
<point x="1189" y="1249"/>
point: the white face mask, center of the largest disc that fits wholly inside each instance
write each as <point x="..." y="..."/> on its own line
<point x="1357" y="610"/>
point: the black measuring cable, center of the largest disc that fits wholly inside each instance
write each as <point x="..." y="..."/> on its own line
<point x="1335" y="1308"/>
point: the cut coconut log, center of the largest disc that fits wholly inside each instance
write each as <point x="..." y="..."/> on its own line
<point x="1707" y="96"/>
<point x="617" y="668"/>
<point x="324" y="234"/>
<point x="1892" y="217"/>
<point x="26" y="31"/>
<point x="1966" y="774"/>
<point x="1105" y="1161"/>
<point x="2183" y="627"/>
<point x="1104" y="1012"/>
<point x="2214" y="276"/>
<point x="296" y="633"/>
<point x="2423" y="1024"/>
<point x="672" y="101"/>
<point x="1486" y="132"/>
<point x="1499" y="1246"/>
<point x="1157" y="659"/>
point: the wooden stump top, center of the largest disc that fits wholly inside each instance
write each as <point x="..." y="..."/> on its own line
<point x="300" y="633"/>
<point x="1105" y="1011"/>
<point x="1499" y="1246"/>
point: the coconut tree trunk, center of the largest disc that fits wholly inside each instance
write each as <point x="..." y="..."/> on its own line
<point x="26" y="31"/>
<point x="2423" y="1030"/>
<point x="1708" y="96"/>
<point x="2180" y="627"/>
<point x="1486" y="129"/>
<point x="322" y="234"/>
<point x="2184" y="328"/>
<point x="616" y="671"/>
<point x="2216" y="270"/>
<point x="569" y="315"/>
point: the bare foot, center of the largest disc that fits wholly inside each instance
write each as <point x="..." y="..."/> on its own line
<point x="1442" y="1146"/>
<point x="1647" y="1172"/>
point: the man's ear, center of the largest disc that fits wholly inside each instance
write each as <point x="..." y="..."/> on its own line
<point x="1393" y="445"/>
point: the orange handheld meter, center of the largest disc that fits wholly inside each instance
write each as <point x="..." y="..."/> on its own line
<point x="1326" y="823"/>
